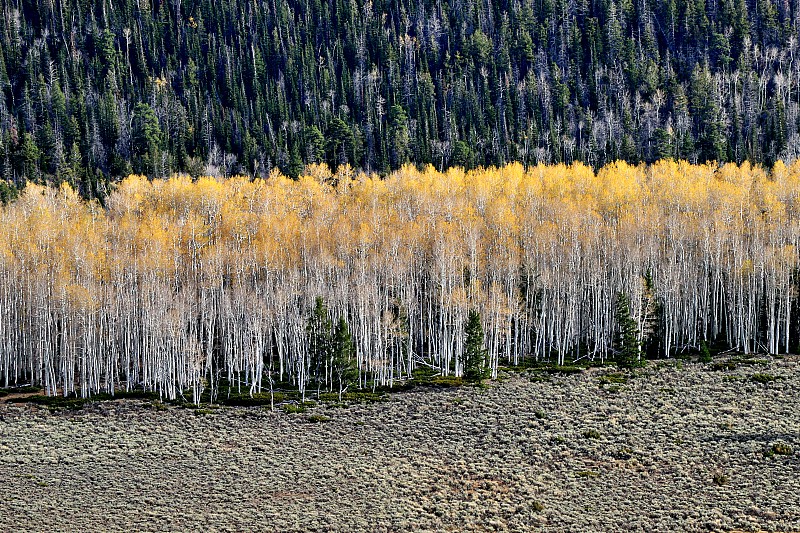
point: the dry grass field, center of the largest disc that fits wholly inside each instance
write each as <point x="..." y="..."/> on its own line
<point x="670" y="449"/>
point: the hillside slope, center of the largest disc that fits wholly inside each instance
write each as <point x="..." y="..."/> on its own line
<point x="92" y="90"/>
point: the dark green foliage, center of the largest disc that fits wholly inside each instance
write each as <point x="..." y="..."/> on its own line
<point x="160" y="87"/>
<point x="724" y="365"/>
<point x="8" y="192"/>
<point x="320" y="341"/>
<point x="720" y="478"/>
<point x="56" y="403"/>
<point x="763" y="378"/>
<point x="705" y="353"/>
<point x="780" y="448"/>
<point x="615" y="378"/>
<point x="353" y="397"/>
<point x="27" y="389"/>
<point x="626" y="343"/>
<point x="446" y="381"/>
<point x="293" y="409"/>
<point x="591" y="434"/>
<point x="145" y="140"/>
<point x="475" y="364"/>
<point x="343" y="362"/>
<point x="256" y="400"/>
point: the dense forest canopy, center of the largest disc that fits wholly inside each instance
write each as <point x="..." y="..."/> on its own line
<point x="177" y="282"/>
<point x="91" y="90"/>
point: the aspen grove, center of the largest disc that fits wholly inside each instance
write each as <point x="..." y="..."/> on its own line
<point x="175" y="283"/>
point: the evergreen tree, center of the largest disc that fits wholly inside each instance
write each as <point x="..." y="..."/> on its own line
<point x="146" y="138"/>
<point x="626" y="343"/>
<point x="475" y="364"/>
<point x="343" y="362"/>
<point x="320" y="342"/>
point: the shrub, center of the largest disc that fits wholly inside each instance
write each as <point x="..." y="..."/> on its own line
<point x="591" y="434"/>
<point x="54" y="403"/>
<point x="258" y="399"/>
<point x="623" y="453"/>
<point x="720" y="479"/>
<point x="780" y="448"/>
<point x="537" y="506"/>
<point x="763" y="378"/>
<point x="587" y="473"/>
<point x="565" y="369"/>
<point x="315" y="419"/>
<point x="353" y="397"/>
<point x="749" y="361"/>
<point x="447" y="381"/>
<point x="614" y="378"/>
<point x="291" y="408"/>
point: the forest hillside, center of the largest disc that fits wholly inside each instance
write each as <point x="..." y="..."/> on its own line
<point x="94" y="90"/>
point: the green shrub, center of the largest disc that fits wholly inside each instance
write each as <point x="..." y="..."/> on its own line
<point x="623" y="453"/>
<point x="291" y="408"/>
<point x="258" y="399"/>
<point x="724" y="365"/>
<point x="720" y="479"/>
<point x="537" y="507"/>
<point x="749" y="361"/>
<point x="353" y="397"/>
<point x="26" y="389"/>
<point x="763" y="378"/>
<point x="587" y="474"/>
<point x="614" y="378"/>
<point x="591" y="434"/>
<point x="564" y="369"/>
<point x="780" y="448"/>
<point x="315" y="419"/>
<point x="54" y="403"/>
<point x="423" y="373"/>
<point x="539" y="414"/>
<point x="446" y="381"/>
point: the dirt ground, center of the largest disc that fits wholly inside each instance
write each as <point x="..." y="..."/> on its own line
<point x="673" y="449"/>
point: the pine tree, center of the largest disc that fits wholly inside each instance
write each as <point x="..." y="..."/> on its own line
<point x="343" y="363"/>
<point x="627" y="341"/>
<point x="475" y="368"/>
<point x="320" y="338"/>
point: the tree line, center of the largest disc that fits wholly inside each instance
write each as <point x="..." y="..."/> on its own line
<point x="338" y="278"/>
<point x="93" y="90"/>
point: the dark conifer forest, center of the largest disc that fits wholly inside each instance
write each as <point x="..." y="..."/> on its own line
<point x="93" y="90"/>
